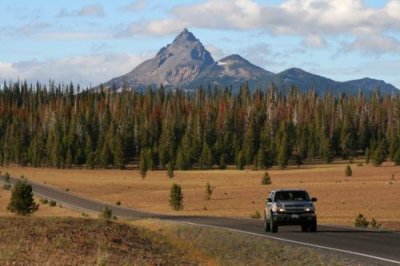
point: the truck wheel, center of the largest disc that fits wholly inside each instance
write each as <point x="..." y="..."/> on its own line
<point x="273" y="225"/>
<point x="304" y="227"/>
<point x="267" y="227"/>
<point x="313" y="226"/>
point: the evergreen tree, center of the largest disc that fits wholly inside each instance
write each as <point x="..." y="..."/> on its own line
<point x="266" y="180"/>
<point x="378" y="156"/>
<point x="397" y="157"/>
<point x="299" y="160"/>
<point x="282" y="156"/>
<point x="170" y="171"/>
<point x="394" y="146"/>
<point x="348" y="171"/>
<point x="327" y="151"/>
<point x="106" y="213"/>
<point x="105" y="156"/>
<point x="182" y="161"/>
<point x="176" y="197"/>
<point x="22" y="201"/>
<point x="143" y="165"/>
<point x="205" y="160"/>
<point x="209" y="191"/>
<point x="240" y="160"/>
<point x="367" y="155"/>
<point x="118" y="153"/>
<point x="68" y="159"/>
<point x="222" y="162"/>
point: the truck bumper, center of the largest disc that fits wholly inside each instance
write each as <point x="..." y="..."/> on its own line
<point x="293" y="218"/>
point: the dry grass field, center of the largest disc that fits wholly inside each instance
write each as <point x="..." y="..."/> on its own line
<point x="60" y="236"/>
<point x="372" y="191"/>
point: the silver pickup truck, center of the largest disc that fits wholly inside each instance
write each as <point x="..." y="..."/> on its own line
<point x="290" y="207"/>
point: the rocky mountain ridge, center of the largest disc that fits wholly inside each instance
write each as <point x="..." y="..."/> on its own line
<point x="186" y="64"/>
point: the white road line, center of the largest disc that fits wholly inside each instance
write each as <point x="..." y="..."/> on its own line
<point x="299" y="242"/>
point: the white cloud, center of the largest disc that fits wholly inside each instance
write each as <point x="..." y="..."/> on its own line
<point x="381" y="69"/>
<point x="25" y="30"/>
<point x="86" y="70"/>
<point x="373" y="45"/>
<point x="95" y="10"/>
<point x="314" y="20"/>
<point x="262" y="55"/>
<point x="216" y="52"/>
<point x="135" y="5"/>
<point x="226" y="14"/>
<point x="7" y="71"/>
<point x="92" y="10"/>
<point x="314" y="41"/>
<point x="72" y="36"/>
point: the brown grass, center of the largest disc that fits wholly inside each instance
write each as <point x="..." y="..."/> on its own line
<point x="224" y="247"/>
<point x="371" y="190"/>
<point x="78" y="241"/>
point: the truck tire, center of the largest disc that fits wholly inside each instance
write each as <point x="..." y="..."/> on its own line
<point x="313" y="226"/>
<point x="304" y="227"/>
<point x="267" y="226"/>
<point x="273" y="225"/>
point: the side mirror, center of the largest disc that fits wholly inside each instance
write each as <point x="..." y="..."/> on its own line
<point x="314" y="199"/>
<point x="269" y="200"/>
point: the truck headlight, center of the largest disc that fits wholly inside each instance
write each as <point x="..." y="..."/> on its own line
<point x="278" y="209"/>
<point x="309" y="209"/>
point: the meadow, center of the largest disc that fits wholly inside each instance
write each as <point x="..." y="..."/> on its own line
<point x="372" y="191"/>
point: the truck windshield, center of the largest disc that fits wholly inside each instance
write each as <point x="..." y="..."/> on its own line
<point x="291" y="196"/>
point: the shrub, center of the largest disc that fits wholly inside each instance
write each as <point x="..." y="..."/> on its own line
<point x="374" y="224"/>
<point x="266" y="180"/>
<point x="348" y="171"/>
<point x="67" y="189"/>
<point x="209" y="191"/>
<point x="361" y="221"/>
<point x="52" y="203"/>
<point x="118" y="203"/>
<point x="255" y="215"/>
<point x="44" y="201"/>
<point x="7" y="177"/>
<point x="22" y="201"/>
<point x="106" y="213"/>
<point x="176" y="197"/>
<point x="7" y="186"/>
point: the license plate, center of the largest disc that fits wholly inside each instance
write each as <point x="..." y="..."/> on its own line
<point x="295" y="216"/>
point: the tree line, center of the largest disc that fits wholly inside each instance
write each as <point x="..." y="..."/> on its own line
<point x="61" y="126"/>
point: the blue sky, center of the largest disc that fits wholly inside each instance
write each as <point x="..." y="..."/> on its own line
<point x="89" y="42"/>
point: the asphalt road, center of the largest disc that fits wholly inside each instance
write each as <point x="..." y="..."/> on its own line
<point x="370" y="247"/>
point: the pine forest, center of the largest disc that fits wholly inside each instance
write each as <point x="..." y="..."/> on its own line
<point x="60" y="126"/>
